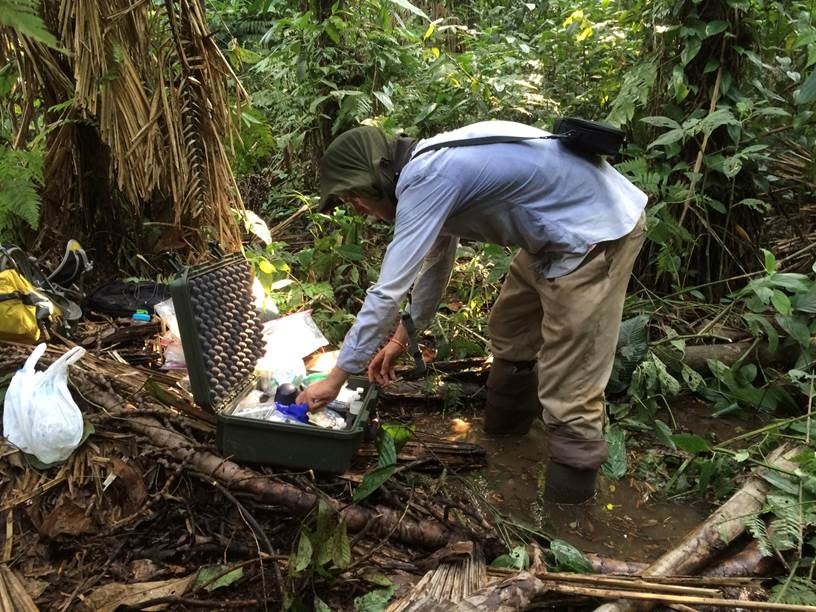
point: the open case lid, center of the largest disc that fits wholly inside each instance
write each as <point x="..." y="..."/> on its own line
<point x="221" y="333"/>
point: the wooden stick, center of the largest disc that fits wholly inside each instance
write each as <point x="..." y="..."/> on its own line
<point x="681" y="599"/>
<point x="630" y="584"/>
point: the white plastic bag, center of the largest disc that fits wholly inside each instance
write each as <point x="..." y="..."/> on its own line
<point x="171" y="339"/>
<point x="39" y="415"/>
<point x="296" y="333"/>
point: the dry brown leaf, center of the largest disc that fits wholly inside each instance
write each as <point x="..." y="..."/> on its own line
<point x="145" y="569"/>
<point x="110" y="596"/>
<point x="133" y="481"/>
<point x="67" y="517"/>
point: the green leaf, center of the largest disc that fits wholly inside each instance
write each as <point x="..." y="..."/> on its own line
<point x="87" y="430"/>
<point x="731" y="166"/>
<point x="663" y="433"/>
<point x="659" y="121"/>
<point x="770" y="261"/>
<point x="669" y="137"/>
<point x="795" y="328"/>
<point x="206" y="576"/>
<point x="351" y="252"/>
<point x="805" y="302"/>
<point x="517" y="559"/>
<point x="780" y="481"/>
<point x="387" y="449"/>
<point x="265" y="266"/>
<point x="331" y="32"/>
<point x="326" y="521"/>
<point x="568" y="558"/>
<point x="781" y="302"/>
<point x="741" y="456"/>
<point x="712" y="121"/>
<point x="400" y="433"/>
<point x="410" y="7"/>
<point x="340" y="547"/>
<point x="374" y="601"/>
<point x="372" y="481"/>
<point x="692" y="379"/>
<point x="690" y="50"/>
<point x="320" y="605"/>
<point x="715" y="27"/>
<point x="690" y="443"/>
<point x="303" y="556"/>
<point x="796" y="283"/>
<point x="385" y="99"/>
<point x="755" y="204"/>
<point x="807" y="93"/>
<point x="615" y="465"/>
<point x="755" y="322"/>
<point x="377" y="578"/>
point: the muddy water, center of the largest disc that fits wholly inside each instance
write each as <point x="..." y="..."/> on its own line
<point x="623" y="521"/>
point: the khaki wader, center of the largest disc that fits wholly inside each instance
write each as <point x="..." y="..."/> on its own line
<point x="570" y="326"/>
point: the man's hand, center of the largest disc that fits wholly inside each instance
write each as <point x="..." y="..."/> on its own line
<point x="381" y="368"/>
<point x="320" y="393"/>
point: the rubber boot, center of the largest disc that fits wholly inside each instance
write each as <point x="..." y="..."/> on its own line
<point x="568" y="485"/>
<point x="512" y="398"/>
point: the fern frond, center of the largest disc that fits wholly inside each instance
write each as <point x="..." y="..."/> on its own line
<point x="756" y="527"/>
<point x="20" y="173"/>
<point x="668" y="262"/>
<point x="640" y="172"/>
<point x="786" y="527"/>
<point x="23" y="16"/>
<point x="634" y="91"/>
<point x="364" y="108"/>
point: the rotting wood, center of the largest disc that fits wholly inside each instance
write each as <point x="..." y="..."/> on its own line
<point x="746" y="562"/>
<point x="750" y="561"/>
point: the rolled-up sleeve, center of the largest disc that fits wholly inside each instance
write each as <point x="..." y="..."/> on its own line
<point x="423" y="207"/>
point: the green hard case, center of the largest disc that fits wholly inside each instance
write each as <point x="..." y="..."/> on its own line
<point x="221" y="335"/>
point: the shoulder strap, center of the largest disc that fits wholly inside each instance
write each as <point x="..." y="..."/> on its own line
<point x="483" y="140"/>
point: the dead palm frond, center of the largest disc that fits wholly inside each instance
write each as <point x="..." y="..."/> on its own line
<point x="146" y="86"/>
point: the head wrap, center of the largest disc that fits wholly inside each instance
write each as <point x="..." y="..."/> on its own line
<point x="362" y="160"/>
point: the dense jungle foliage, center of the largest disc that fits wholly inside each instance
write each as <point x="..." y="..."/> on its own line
<point x="717" y="97"/>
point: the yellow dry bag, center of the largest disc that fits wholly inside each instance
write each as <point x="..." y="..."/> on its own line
<point x="23" y="310"/>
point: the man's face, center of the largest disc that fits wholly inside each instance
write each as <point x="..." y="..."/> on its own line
<point x="375" y="207"/>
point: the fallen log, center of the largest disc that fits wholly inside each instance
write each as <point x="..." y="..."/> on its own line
<point x="453" y="455"/>
<point x="696" y="356"/>
<point x="750" y="561"/>
<point x="379" y="521"/>
<point x="747" y="562"/>
<point x="717" y="531"/>
<point x="428" y="389"/>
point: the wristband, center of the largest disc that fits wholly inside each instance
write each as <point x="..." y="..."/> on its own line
<point x="404" y="347"/>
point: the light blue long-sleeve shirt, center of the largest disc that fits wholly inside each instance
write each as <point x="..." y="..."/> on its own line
<point x="534" y="194"/>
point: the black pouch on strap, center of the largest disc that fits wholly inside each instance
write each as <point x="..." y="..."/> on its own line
<point x="582" y="136"/>
<point x="589" y="136"/>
